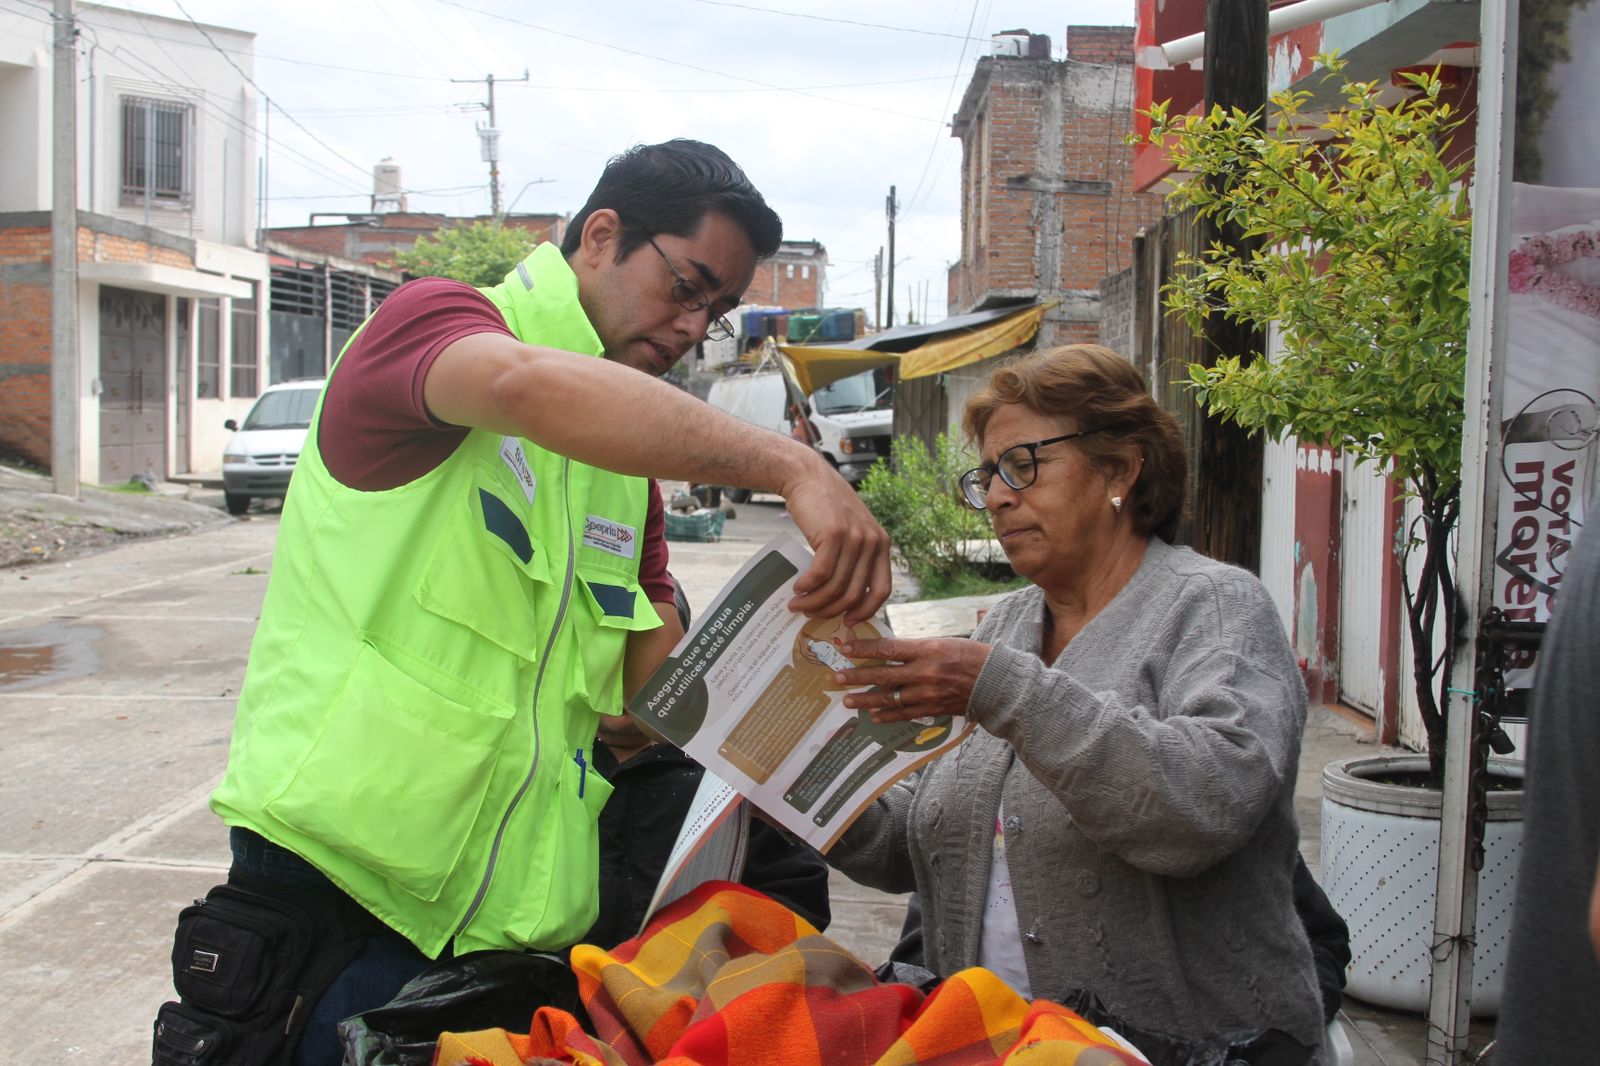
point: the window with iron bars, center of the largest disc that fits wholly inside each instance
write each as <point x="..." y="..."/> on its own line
<point x="348" y="308"/>
<point x="157" y="139"/>
<point x="208" y="348"/>
<point x="244" y="375"/>
<point x="297" y="290"/>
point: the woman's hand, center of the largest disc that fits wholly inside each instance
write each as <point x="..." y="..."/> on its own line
<point x="923" y="678"/>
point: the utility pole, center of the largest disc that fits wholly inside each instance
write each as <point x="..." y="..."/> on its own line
<point x="877" y="288"/>
<point x="890" y="208"/>
<point x="489" y="140"/>
<point x="1227" y="506"/>
<point x="64" y="386"/>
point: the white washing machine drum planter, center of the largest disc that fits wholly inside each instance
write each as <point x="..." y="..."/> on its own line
<point x="1380" y="857"/>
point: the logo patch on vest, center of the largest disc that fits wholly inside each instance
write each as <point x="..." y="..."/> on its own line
<point x="609" y="536"/>
<point x="512" y="455"/>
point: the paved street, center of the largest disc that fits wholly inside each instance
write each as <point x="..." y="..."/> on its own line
<point x="117" y="678"/>
<point x="118" y="674"/>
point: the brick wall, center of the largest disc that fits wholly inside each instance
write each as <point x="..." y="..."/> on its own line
<point x="25" y="343"/>
<point x="1100" y="44"/>
<point x="94" y="247"/>
<point x="1116" y="312"/>
<point x="1048" y="205"/>
<point x="327" y="240"/>
<point x="538" y="227"/>
<point x="773" y="285"/>
<point x="25" y="327"/>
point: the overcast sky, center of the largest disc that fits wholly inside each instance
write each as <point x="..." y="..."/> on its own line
<point x="823" y="114"/>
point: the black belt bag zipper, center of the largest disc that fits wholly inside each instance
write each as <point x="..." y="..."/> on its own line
<point x="248" y="968"/>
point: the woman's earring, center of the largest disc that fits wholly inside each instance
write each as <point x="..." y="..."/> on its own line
<point x="1116" y="504"/>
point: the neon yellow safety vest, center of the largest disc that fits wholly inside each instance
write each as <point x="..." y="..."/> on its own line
<point x="421" y="697"/>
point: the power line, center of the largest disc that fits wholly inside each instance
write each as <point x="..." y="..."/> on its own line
<point x="145" y="68"/>
<point x="827" y="18"/>
<point x="449" y="190"/>
<point x="381" y="110"/>
<point x="251" y="53"/>
<point x="675" y="62"/>
<point x="406" y="75"/>
<point x="481" y="36"/>
<point x="197" y="98"/>
<point x="30" y="16"/>
<point x="754" y="89"/>
<point x="448" y="38"/>
<point x="911" y="202"/>
<point x="264" y="94"/>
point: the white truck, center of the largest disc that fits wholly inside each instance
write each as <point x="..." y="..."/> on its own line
<point x="851" y="421"/>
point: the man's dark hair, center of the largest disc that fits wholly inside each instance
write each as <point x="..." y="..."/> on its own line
<point x="668" y="188"/>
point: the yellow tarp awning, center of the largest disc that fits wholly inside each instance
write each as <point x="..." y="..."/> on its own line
<point x="816" y="367"/>
<point x="947" y="353"/>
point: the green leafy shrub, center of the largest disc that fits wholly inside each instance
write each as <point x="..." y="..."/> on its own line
<point x="916" y="497"/>
<point x="480" y="254"/>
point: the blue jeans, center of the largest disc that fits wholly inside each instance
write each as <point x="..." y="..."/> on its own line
<point x="386" y="962"/>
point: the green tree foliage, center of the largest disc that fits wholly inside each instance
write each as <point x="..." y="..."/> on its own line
<point x="1365" y="232"/>
<point x="480" y="254"/>
<point x="1544" y="42"/>
<point x="916" y="498"/>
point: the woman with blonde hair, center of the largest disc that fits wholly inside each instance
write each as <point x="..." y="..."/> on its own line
<point x="1119" y="834"/>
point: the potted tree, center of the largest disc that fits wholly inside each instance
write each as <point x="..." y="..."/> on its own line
<point x="1364" y="227"/>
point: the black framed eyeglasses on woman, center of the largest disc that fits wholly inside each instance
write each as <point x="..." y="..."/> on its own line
<point x="1018" y="467"/>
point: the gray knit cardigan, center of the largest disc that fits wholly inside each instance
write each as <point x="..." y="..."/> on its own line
<point x="1148" y="779"/>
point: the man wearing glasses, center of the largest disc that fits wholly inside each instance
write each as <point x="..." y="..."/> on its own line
<point x="470" y="570"/>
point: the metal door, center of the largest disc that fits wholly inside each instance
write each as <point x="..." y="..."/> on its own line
<point x="133" y="385"/>
<point x="1364" y="546"/>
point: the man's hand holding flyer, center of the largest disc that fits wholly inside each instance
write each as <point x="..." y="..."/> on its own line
<point x="750" y="694"/>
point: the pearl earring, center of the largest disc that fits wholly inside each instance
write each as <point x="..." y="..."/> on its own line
<point x="1116" y="504"/>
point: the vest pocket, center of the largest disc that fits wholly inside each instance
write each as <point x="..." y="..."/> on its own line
<point x="491" y="581"/>
<point x="567" y="861"/>
<point x="615" y="606"/>
<point x="385" y="735"/>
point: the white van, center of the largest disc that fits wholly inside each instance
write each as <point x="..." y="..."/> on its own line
<point x="261" y="455"/>
<point x="854" y="421"/>
<point x="850" y="421"/>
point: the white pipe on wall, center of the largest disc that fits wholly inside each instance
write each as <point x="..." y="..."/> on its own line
<point x="1279" y="20"/>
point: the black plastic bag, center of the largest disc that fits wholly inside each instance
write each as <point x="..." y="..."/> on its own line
<point x="483" y="990"/>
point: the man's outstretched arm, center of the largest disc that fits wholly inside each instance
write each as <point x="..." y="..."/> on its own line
<point x="614" y="417"/>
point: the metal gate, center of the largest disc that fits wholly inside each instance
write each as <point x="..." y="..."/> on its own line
<point x="133" y="385"/>
<point x="1279" y="562"/>
<point x="1277" y="527"/>
<point x="1365" y="543"/>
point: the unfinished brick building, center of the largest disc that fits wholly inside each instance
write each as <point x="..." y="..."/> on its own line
<point x="792" y="278"/>
<point x="1048" y="203"/>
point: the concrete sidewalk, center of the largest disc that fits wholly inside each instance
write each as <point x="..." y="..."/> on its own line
<point x="118" y="675"/>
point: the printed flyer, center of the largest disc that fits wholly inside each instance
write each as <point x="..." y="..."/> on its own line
<point x="749" y="693"/>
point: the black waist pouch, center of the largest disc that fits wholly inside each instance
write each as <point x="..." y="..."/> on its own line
<point x="248" y="968"/>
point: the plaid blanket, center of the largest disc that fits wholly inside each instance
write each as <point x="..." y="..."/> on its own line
<point x="726" y="975"/>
